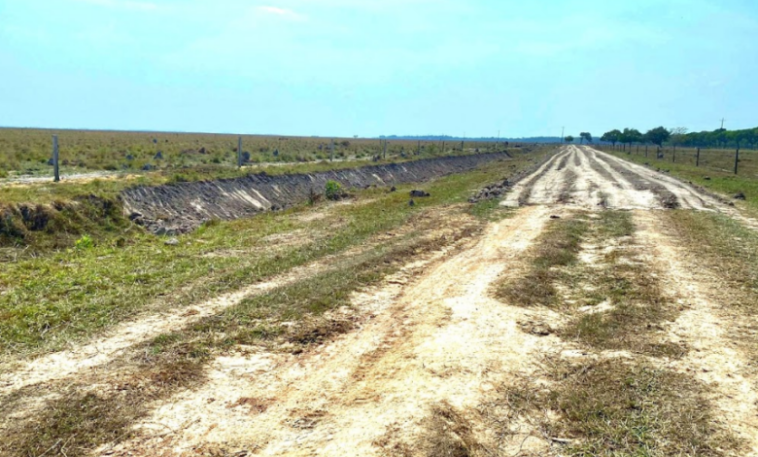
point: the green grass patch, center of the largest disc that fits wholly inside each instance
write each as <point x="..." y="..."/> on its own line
<point x="48" y="301"/>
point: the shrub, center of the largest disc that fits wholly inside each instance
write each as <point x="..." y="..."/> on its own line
<point x="85" y="242"/>
<point x="333" y="190"/>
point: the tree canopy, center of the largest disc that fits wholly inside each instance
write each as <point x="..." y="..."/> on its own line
<point x="611" y="137"/>
<point x="679" y="136"/>
<point x="586" y="136"/>
<point x="629" y="136"/>
<point x="658" y="136"/>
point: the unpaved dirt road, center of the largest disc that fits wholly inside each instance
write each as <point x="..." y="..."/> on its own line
<point x="433" y="338"/>
<point x="586" y="177"/>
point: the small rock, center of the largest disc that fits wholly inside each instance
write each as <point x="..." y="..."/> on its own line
<point x="554" y="216"/>
<point x="419" y="193"/>
<point x="411" y="203"/>
<point x="172" y="242"/>
<point x="707" y="178"/>
<point x="739" y="196"/>
<point x="393" y="189"/>
<point x="135" y="216"/>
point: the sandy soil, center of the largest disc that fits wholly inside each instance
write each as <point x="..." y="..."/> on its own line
<point x="439" y="338"/>
<point x="587" y="178"/>
<point x="705" y="326"/>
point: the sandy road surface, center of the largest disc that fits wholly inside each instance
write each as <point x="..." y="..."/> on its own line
<point x="585" y="177"/>
<point x="434" y="335"/>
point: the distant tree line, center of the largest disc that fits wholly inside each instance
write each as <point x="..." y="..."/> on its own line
<point x="720" y="138"/>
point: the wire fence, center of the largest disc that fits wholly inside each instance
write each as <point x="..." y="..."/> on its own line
<point x="30" y="157"/>
<point x="742" y="162"/>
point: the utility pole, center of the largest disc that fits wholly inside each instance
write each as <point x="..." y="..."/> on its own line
<point x="563" y="130"/>
<point x="56" y="168"/>
<point x="722" y="123"/>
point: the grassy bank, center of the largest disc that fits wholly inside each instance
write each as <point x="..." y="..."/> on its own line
<point x="49" y="300"/>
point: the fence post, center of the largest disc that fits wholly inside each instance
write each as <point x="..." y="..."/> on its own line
<point x="443" y="147"/>
<point x="385" y="149"/>
<point x="419" y="148"/>
<point x="697" y="158"/>
<point x="239" y="152"/>
<point x="645" y="150"/>
<point x="462" y="142"/>
<point x="736" y="160"/>
<point x="331" y="152"/>
<point x="673" y="155"/>
<point x="56" y="157"/>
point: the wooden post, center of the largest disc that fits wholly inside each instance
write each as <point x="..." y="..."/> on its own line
<point x="331" y="153"/>
<point x="56" y="157"/>
<point x="697" y="158"/>
<point x="673" y="155"/>
<point x="239" y="152"/>
<point x="419" y="148"/>
<point x="385" y="149"/>
<point x="443" y="147"/>
<point x="462" y="143"/>
<point x="736" y="160"/>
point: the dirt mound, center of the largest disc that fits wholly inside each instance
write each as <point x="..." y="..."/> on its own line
<point x="181" y="207"/>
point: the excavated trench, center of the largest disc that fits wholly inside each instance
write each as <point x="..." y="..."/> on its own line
<point x="180" y="208"/>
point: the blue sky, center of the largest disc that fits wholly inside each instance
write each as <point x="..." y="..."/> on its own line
<point x="373" y="67"/>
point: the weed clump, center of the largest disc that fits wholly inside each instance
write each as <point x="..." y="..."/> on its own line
<point x="334" y="191"/>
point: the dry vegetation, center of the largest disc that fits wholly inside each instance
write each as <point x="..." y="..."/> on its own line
<point x="27" y="151"/>
<point x="510" y="332"/>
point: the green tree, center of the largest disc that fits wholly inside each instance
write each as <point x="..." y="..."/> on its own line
<point x="569" y="139"/>
<point x="611" y="137"/>
<point x="586" y="136"/>
<point x="658" y="136"/>
<point x="630" y="136"/>
<point x="678" y="136"/>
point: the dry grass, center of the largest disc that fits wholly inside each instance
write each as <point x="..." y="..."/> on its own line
<point x="616" y="408"/>
<point x="639" y="308"/>
<point x="448" y="434"/>
<point x="557" y="247"/>
<point x="292" y="318"/>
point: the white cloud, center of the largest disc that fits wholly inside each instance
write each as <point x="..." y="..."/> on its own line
<point x="123" y="4"/>
<point x="283" y="12"/>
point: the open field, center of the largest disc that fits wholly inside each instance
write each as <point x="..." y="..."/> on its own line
<point x="588" y="306"/>
<point x="24" y="153"/>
